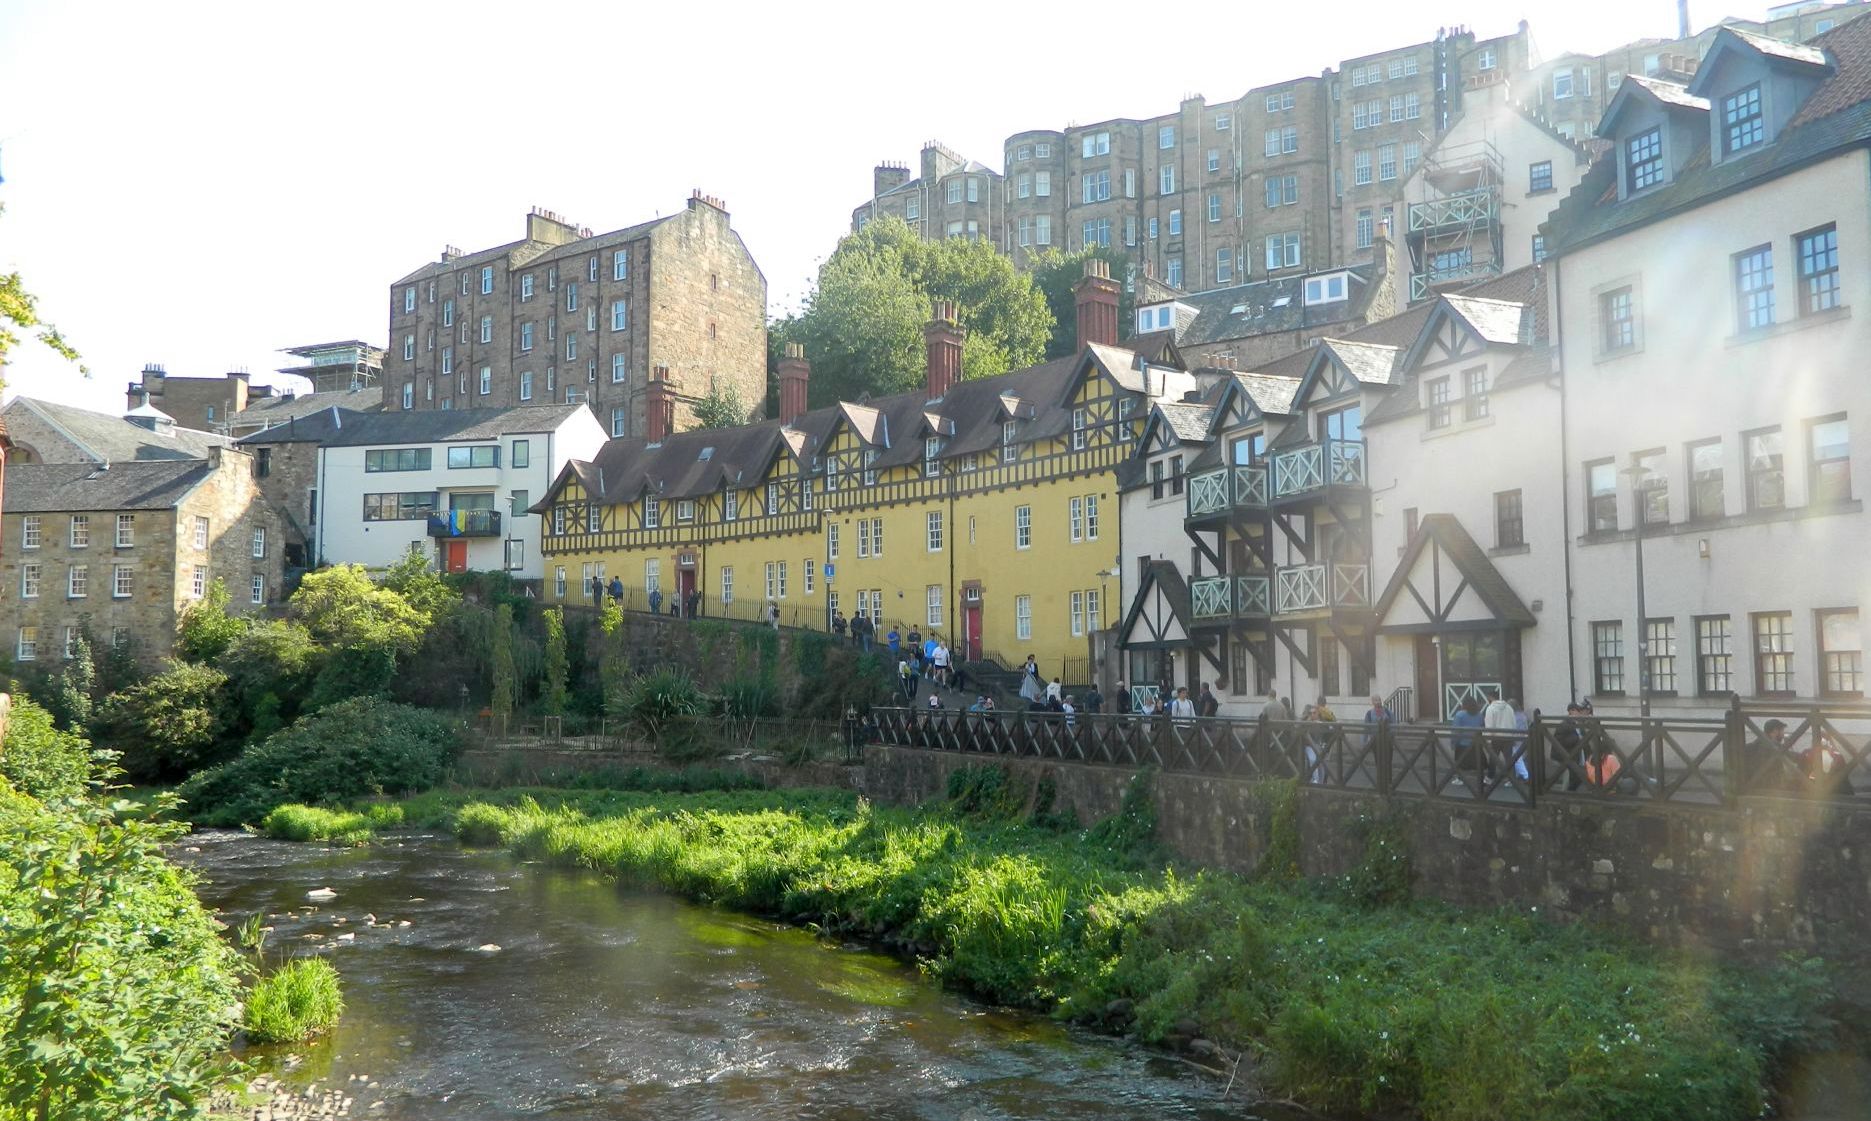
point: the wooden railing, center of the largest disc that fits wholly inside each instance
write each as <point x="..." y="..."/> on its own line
<point x="1236" y="487"/>
<point x="1824" y="754"/>
<point x="1317" y="587"/>
<point x="1225" y="598"/>
<point x="1326" y="463"/>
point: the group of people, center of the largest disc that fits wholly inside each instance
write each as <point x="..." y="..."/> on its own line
<point x="918" y="658"/>
<point x="1041" y="695"/>
<point x="680" y="606"/>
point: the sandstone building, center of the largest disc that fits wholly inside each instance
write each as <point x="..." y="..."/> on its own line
<point x="567" y="316"/>
<point x="118" y="550"/>
<point x="345" y="373"/>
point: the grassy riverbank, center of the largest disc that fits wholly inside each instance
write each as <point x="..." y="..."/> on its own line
<point x="1351" y="1007"/>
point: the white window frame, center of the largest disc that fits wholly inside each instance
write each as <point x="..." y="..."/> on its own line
<point x="198" y="586"/>
<point x="932" y="524"/>
<point x="256" y="589"/>
<point x="31" y="578"/>
<point x="934" y="614"/>
<point x="727" y="584"/>
<point x="126" y="530"/>
<point x="487" y="280"/>
<point x="26" y="649"/>
<point x="1075" y="515"/>
<point x="1023" y="527"/>
<point x="259" y="542"/>
<point x="122" y="577"/>
<point x="31" y="531"/>
<point x="620" y="315"/>
<point x="1091" y="517"/>
<point x="1023" y="618"/>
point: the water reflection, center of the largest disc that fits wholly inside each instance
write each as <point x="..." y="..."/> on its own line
<point x="607" y="1004"/>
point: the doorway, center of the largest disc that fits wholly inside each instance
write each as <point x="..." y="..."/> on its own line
<point x="455" y="556"/>
<point x="971" y="631"/>
<point x="685" y="587"/>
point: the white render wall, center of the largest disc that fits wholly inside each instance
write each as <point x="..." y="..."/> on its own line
<point x="344" y="537"/>
<point x="1693" y="379"/>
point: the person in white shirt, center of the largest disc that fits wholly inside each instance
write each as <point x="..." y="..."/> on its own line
<point x="1182" y="707"/>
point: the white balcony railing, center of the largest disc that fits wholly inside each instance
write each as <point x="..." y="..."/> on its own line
<point x="1319" y="587"/>
<point x="1208" y="493"/>
<point x="1330" y="462"/>
<point x="1215" y="492"/>
<point x="1208" y="598"/>
<point x="1253" y="596"/>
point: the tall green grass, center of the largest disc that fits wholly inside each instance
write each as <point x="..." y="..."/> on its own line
<point x="293" y="1003"/>
<point x="1456" y="1014"/>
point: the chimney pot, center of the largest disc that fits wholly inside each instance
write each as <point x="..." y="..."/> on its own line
<point x="1095" y="300"/>
<point x="943" y="338"/>
<point x="794" y="375"/>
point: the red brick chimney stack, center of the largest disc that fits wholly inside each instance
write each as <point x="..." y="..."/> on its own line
<point x="944" y="337"/>
<point x="1096" y="300"/>
<point x="659" y="407"/>
<point x="794" y="372"/>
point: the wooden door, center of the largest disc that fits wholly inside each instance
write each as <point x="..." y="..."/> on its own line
<point x="1428" y="682"/>
<point x="971" y="631"/>
<point x="457" y="559"/>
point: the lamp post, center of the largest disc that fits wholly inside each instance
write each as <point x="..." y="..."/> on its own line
<point x="1639" y="503"/>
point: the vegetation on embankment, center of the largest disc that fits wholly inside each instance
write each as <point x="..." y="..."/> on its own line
<point x="293" y="1003"/>
<point x="1351" y="1004"/>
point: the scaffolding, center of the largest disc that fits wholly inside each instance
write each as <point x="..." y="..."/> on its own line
<point x="1455" y="231"/>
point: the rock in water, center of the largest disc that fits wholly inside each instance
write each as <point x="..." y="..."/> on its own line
<point x="487" y="948"/>
<point x="321" y="894"/>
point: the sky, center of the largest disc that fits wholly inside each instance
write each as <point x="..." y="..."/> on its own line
<point x="201" y="184"/>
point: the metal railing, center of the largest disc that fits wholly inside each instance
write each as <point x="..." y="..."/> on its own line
<point x="1329" y="462"/>
<point x="1321" y="587"/>
<point x="465" y="523"/>
<point x="1822" y="754"/>
<point x="1240" y="486"/>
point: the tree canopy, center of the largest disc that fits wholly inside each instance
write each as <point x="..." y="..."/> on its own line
<point x="721" y="408"/>
<point x="20" y="308"/>
<point x="1056" y="274"/>
<point x="863" y="324"/>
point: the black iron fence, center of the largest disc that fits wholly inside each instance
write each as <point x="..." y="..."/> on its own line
<point x="1812" y="753"/>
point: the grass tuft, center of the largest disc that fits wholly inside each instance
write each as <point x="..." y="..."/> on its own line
<point x="294" y="1003"/>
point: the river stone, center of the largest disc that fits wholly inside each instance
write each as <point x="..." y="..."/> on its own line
<point x="1120" y="1009"/>
<point x="321" y="893"/>
<point x="1205" y="1048"/>
<point x="487" y="948"/>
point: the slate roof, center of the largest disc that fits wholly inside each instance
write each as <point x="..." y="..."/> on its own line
<point x="1266" y="307"/>
<point x="1271" y="393"/>
<point x="1371" y="363"/>
<point x="1837" y="116"/>
<point x="1504" y="322"/>
<point x="1187" y="420"/>
<point x="1470" y="560"/>
<point x="275" y="410"/>
<point x="416" y="426"/>
<point x="973" y="410"/>
<point x="43" y="488"/>
<point x="114" y="439"/>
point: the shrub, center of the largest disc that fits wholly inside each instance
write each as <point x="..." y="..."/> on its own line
<point x="340" y="827"/>
<point x="206" y="629"/>
<point x="73" y="688"/>
<point x="270" y="657"/>
<point x="748" y="698"/>
<point x="349" y="750"/>
<point x="363" y="671"/>
<point x="115" y="987"/>
<point x="169" y="726"/>
<point x="39" y="759"/>
<point x="423" y="588"/>
<point x="346" y="610"/>
<point x="557" y="662"/>
<point x="294" y="1003"/>
<point x="653" y="701"/>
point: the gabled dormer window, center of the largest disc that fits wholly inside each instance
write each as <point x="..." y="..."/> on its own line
<point x="1742" y="123"/>
<point x="652" y="512"/>
<point x="1008" y="431"/>
<point x="932" y="448"/>
<point x="1643" y="160"/>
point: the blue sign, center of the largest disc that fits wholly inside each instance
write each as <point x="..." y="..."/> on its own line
<point x="828" y="572"/>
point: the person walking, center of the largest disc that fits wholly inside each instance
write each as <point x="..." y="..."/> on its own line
<point x="894" y="640"/>
<point x="656" y="601"/>
<point x="773" y="614"/>
<point x="1207" y="704"/>
<point x="1182" y="708"/>
<point x="838" y="624"/>
<point x="1123" y="699"/>
<point x="1094" y="700"/>
<point x="1054" y="691"/>
<point x="616" y="590"/>
<point x="1498" y="719"/>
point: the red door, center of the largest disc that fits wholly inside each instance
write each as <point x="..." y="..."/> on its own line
<point x="457" y="559"/>
<point x="685" y="584"/>
<point x="971" y="632"/>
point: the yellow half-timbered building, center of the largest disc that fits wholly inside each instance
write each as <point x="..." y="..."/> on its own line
<point x="984" y="512"/>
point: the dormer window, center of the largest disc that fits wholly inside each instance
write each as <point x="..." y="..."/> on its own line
<point x="1008" y="430"/>
<point x="932" y="448"/>
<point x="1742" y="122"/>
<point x="870" y="472"/>
<point x="1325" y="289"/>
<point x="1643" y="160"/>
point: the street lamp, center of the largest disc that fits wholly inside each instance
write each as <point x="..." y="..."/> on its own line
<point x="1639" y="503"/>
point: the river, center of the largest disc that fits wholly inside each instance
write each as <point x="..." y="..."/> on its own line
<point x="604" y="1003"/>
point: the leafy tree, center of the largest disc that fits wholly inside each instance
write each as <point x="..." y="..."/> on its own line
<point x="206" y="629"/>
<point x="38" y="758"/>
<point x="273" y="658"/>
<point x="862" y="326"/>
<point x="118" y="990"/>
<point x="501" y="701"/>
<point x="721" y="408"/>
<point x="421" y="586"/>
<point x="557" y="663"/>
<point x="360" y="671"/>
<point x="121" y="669"/>
<point x="342" y="607"/>
<point x="73" y="689"/>
<point x="1056" y="274"/>
<point x="169" y="726"/>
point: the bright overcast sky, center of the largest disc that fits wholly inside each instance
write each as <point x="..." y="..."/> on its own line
<point x="200" y="184"/>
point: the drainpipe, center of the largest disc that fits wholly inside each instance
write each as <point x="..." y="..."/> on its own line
<point x="1565" y="482"/>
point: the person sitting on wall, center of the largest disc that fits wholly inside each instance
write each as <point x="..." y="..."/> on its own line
<point x="1568" y="746"/>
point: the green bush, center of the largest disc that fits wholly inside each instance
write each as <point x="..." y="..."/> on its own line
<point x="270" y="657"/>
<point x="116" y="991"/>
<point x="206" y="629"/>
<point x="748" y="698"/>
<point x="363" y="671"/>
<point x="655" y="700"/>
<point x="170" y="726"/>
<point x="39" y="759"/>
<point x="351" y="749"/>
<point x="294" y="1003"/>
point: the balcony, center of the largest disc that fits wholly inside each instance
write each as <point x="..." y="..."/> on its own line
<point x="465" y="523"/>
<point x="1467" y="209"/>
<point x="1424" y="284"/>
<point x="1302" y="471"/>
<point x="1219" y="600"/>
<point x="1216" y="494"/>
<point x="1321" y="588"/>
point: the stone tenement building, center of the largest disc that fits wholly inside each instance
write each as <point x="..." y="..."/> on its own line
<point x="346" y="374"/>
<point x="1291" y="177"/>
<point x="119" y="549"/>
<point x="1296" y="176"/>
<point x="567" y="316"/>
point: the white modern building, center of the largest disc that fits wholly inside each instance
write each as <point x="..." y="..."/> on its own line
<point x="1706" y="280"/>
<point x="454" y="483"/>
